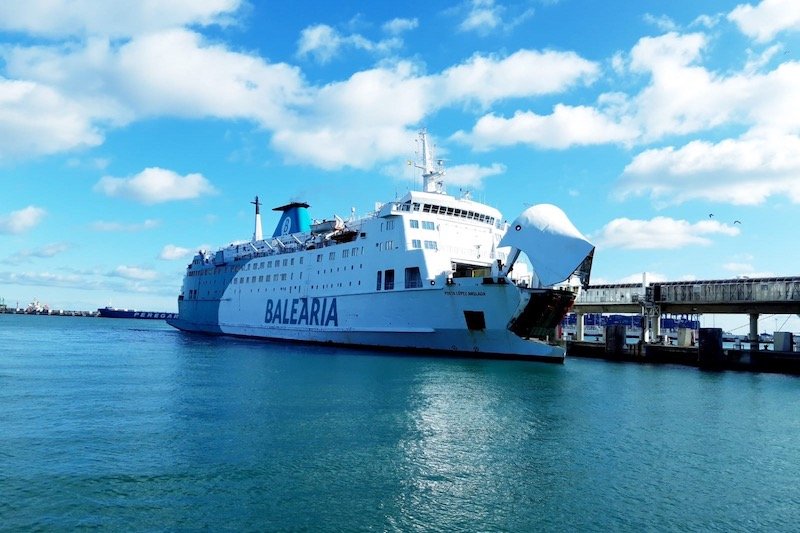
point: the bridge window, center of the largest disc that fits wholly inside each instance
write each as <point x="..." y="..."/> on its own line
<point x="413" y="223"/>
<point x="427" y="224"/>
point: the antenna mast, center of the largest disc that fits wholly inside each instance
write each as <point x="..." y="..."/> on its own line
<point x="432" y="176"/>
<point x="257" y="234"/>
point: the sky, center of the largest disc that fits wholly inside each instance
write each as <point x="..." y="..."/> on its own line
<point x="135" y="132"/>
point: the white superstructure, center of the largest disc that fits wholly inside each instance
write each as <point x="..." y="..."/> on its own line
<point x="427" y="272"/>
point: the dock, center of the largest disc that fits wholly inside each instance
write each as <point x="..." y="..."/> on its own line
<point x="782" y="362"/>
<point x="651" y="301"/>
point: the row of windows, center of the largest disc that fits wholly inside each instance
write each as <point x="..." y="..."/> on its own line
<point x="426" y="224"/>
<point x="385" y="279"/>
<point x="236" y="268"/>
<point x="429" y="245"/>
<point x="454" y="212"/>
<point x="265" y="278"/>
<point x="352" y="252"/>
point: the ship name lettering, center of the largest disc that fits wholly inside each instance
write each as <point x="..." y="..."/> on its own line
<point x="465" y="293"/>
<point x="295" y="311"/>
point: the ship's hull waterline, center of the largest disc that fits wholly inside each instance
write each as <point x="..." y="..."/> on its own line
<point x="470" y="322"/>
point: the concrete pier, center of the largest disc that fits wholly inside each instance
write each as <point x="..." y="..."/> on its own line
<point x="754" y="331"/>
<point x="714" y="358"/>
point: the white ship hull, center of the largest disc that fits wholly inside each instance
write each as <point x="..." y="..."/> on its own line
<point x="390" y="320"/>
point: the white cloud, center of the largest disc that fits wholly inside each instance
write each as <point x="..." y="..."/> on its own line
<point x="746" y="270"/>
<point x="738" y="267"/>
<point x="155" y="185"/>
<point x="177" y="73"/>
<point x="91" y="86"/>
<point x="331" y="147"/>
<point x="170" y="73"/>
<point x="743" y="171"/>
<point x="472" y="175"/>
<point x="22" y="220"/>
<point x="685" y="98"/>
<point x="651" y="277"/>
<point x="757" y="61"/>
<point x="659" y="233"/>
<point x="397" y="26"/>
<point x="707" y="21"/>
<point x="565" y="127"/>
<point x="662" y="22"/>
<point x="354" y="112"/>
<point x="120" y="18"/>
<point x="524" y="73"/>
<point x="682" y="97"/>
<point x="46" y="251"/>
<point x="764" y="21"/>
<point x="35" y="119"/>
<point x="485" y="16"/>
<point x="323" y="43"/>
<point x="134" y="273"/>
<point x="101" y="225"/>
<point x="320" y="41"/>
<point x="47" y="279"/>
<point x="170" y="252"/>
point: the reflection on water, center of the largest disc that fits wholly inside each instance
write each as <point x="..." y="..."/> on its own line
<point x="119" y="424"/>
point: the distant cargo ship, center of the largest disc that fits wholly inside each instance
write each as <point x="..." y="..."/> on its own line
<point x="113" y="312"/>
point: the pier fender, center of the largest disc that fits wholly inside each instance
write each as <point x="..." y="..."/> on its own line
<point x="554" y="246"/>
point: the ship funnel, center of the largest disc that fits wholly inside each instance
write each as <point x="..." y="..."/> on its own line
<point x="295" y="219"/>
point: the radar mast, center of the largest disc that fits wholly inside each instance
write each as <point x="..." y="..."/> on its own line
<point x="257" y="233"/>
<point x="432" y="169"/>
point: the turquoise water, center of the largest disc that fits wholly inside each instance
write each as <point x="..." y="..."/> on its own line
<point x="128" y="424"/>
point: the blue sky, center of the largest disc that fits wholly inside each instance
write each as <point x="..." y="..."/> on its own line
<point x="131" y="134"/>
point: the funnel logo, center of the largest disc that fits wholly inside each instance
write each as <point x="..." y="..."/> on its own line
<point x="287" y="225"/>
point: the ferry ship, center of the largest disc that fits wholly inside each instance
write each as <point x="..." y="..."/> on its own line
<point x="429" y="272"/>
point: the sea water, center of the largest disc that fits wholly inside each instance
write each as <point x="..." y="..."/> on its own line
<point x="131" y="425"/>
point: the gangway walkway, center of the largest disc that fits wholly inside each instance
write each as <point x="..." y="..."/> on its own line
<point x="750" y="296"/>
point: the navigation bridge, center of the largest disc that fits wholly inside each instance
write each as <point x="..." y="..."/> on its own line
<point x="750" y="296"/>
